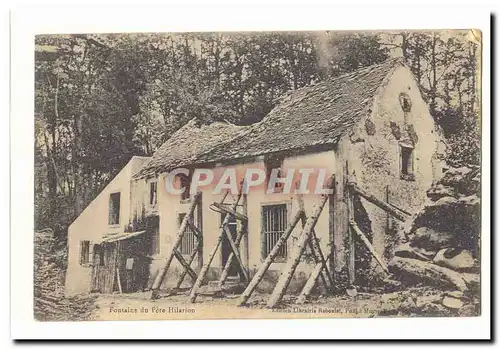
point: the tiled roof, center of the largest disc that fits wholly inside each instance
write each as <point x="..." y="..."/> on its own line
<point x="307" y="117"/>
<point x="188" y="144"/>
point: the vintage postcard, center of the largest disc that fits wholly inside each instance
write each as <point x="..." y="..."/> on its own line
<point x="257" y="175"/>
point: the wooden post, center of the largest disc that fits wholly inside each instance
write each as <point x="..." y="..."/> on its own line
<point x="331" y="229"/>
<point x="365" y="240"/>
<point x="244" y="229"/>
<point x="387" y="217"/>
<point x="118" y="279"/>
<point x="351" y="262"/>
<point x="306" y="291"/>
<point x="199" y="223"/>
<point x="293" y="261"/>
<point x="269" y="260"/>
<point x="206" y="266"/>
<point x="163" y="272"/>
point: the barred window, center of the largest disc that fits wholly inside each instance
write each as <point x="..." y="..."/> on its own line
<point x="274" y="224"/>
<point x="188" y="239"/>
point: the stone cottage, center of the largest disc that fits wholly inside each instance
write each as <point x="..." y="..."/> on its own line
<point x="372" y="123"/>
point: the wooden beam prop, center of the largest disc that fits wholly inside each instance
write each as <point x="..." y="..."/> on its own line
<point x="316" y="249"/>
<point x="118" y="279"/>
<point x="163" y="271"/>
<point x="351" y="262"/>
<point x="229" y="262"/>
<point x="311" y="282"/>
<point x="197" y="232"/>
<point x="320" y="259"/>
<point x="190" y="261"/>
<point x="235" y="252"/>
<point x="269" y="260"/>
<point x="206" y="266"/>
<point x="227" y="210"/>
<point x="383" y="205"/>
<point x="368" y="245"/>
<point x="185" y="264"/>
<point x="294" y="259"/>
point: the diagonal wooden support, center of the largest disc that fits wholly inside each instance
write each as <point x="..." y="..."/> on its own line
<point x="311" y="282"/>
<point x="185" y="264"/>
<point x="182" y="229"/>
<point x="367" y="243"/>
<point x="184" y="271"/>
<point x="397" y="213"/>
<point x="316" y="251"/>
<point x="197" y="232"/>
<point x="269" y="260"/>
<point x="294" y="259"/>
<point x="206" y="266"/>
<point x="235" y="252"/>
<point x="227" y="266"/>
<point x="320" y="259"/>
<point x="227" y="210"/>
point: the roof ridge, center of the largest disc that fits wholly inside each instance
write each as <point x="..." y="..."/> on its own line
<point x="333" y="79"/>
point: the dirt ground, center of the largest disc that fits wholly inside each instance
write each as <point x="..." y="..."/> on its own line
<point x="140" y="306"/>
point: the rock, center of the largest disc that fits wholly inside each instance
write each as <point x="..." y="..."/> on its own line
<point x="408" y="304"/>
<point x="390" y="297"/>
<point x="423" y="300"/>
<point x="413" y="271"/>
<point x="460" y="260"/>
<point x="472" y="280"/>
<point x="455" y="294"/>
<point x="407" y="251"/>
<point x="352" y="291"/>
<point x="466" y="181"/>
<point x="468" y="310"/>
<point x="439" y="191"/>
<point x="430" y="239"/>
<point x="452" y="303"/>
<point x="434" y="309"/>
<point x="458" y="219"/>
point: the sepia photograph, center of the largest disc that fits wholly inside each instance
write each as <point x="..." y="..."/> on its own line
<point x="257" y="175"/>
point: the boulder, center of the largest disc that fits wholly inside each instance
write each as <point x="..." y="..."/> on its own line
<point x="459" y="218"/>
<point x="465" y="180"/>
<point x="456" y="259"/>
<point x="407" y="251"/>
<point x="468" y="310"/>
<point x="455" y="294"/>
<point x="430" y="239"/>
<point x="452" y="303"/>
<point x="434" y="309"/>
<point x="423" y="300"/>
<point x="439" y="191"/>
<point x="414" y="271"/>
<point x="437" y="215"/>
